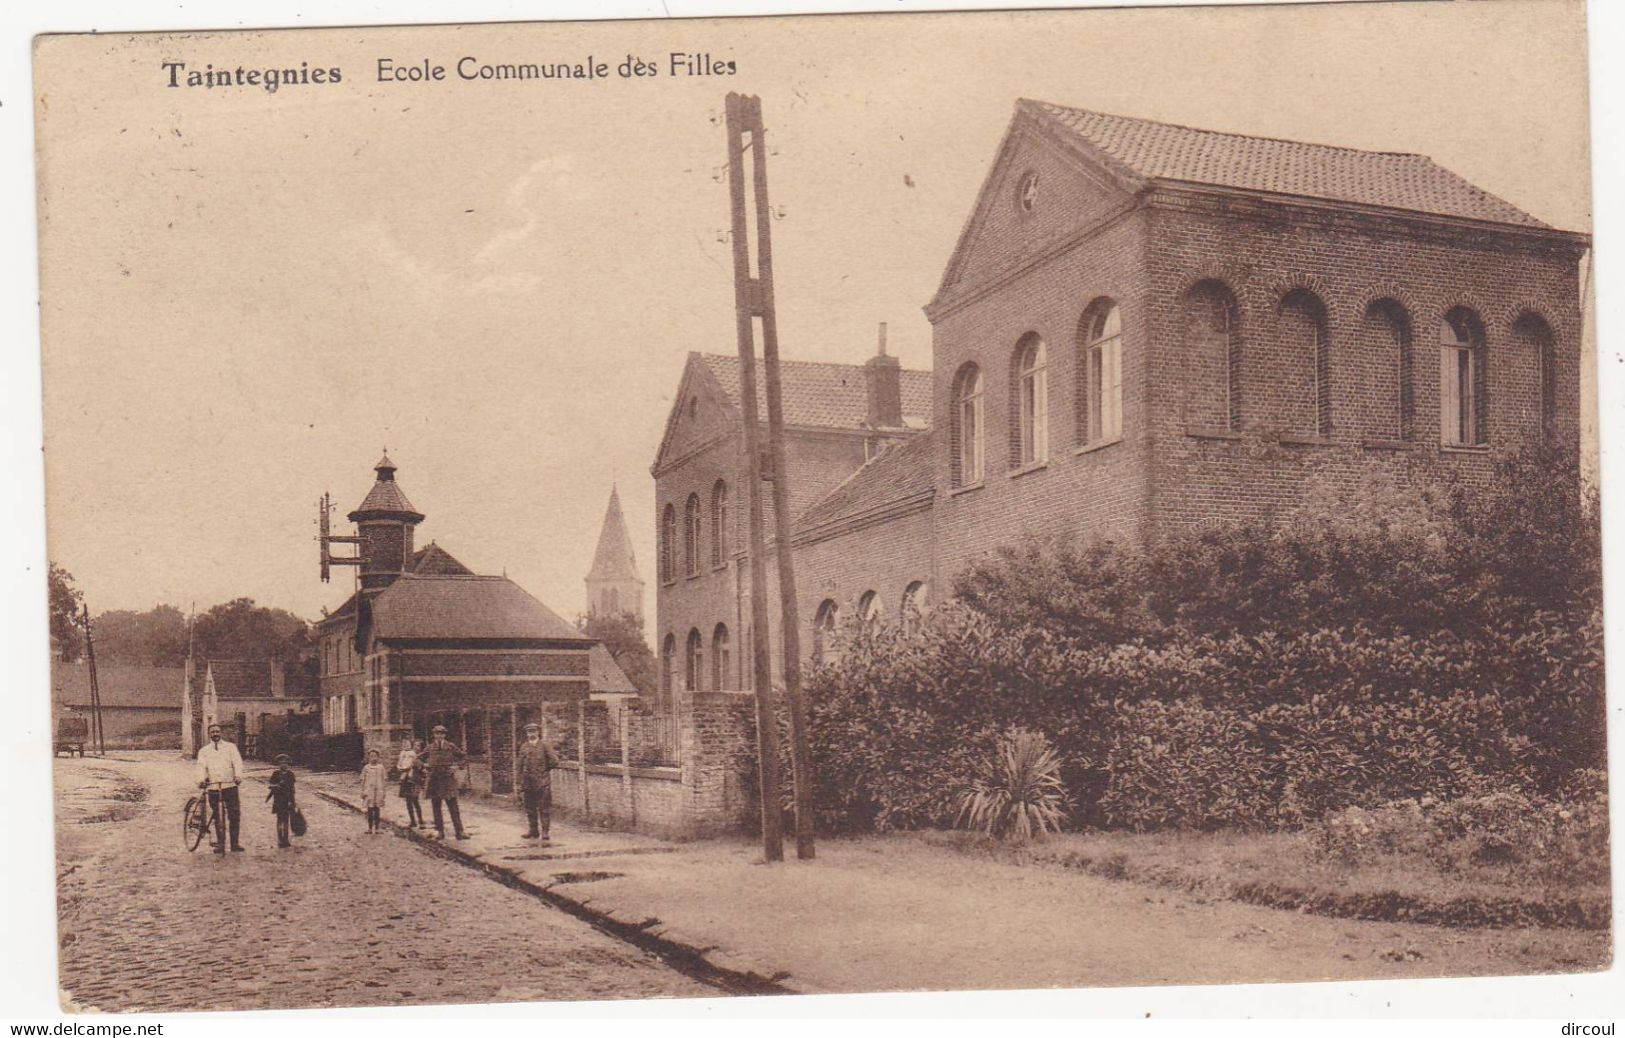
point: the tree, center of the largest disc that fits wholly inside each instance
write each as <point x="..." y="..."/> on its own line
<point x="154" y="638"/>
<point x="241" y="630"/>
<point x="66" y="640"/>
<point x="622" y="635"/>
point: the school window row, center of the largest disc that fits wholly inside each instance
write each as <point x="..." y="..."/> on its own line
<point x="694" y="522"/>
<point x="1298" y="352"/>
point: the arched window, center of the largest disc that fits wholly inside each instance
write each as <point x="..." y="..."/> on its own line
<point x="914" y="603"/>
<point x="1461" y="379"/>
<point x="691" y="535"/>
<point x="1534" y="335"/>
<point x="719" y="657"/>
<point x="668" y="545"/>
<point x="694" y="661"/>
<point x="968" y="432"/>
<point x="1387" y="339"/>
<point x="719" y="524"/>
<point x="1029" y="436"/>
<point x="668" y="663"/>
<point x="869" y="610"/>
<point x="1213" y="356"/>
<point x="1100" y="410"/>
<point x="824" y="628"/>
<point x="1307" y="392"/>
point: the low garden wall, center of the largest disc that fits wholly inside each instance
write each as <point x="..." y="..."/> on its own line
<point x="704" y="792"/>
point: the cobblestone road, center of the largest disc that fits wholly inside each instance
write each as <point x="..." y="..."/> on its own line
<point x="343" y="919"/>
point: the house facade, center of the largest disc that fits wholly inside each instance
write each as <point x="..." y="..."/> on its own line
<point x="1144" y="328"/>
<point x="425" y="641"/>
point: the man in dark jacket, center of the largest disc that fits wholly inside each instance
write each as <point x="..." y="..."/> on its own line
<point x="441" y="759"/>
<point x="536" y="763"/>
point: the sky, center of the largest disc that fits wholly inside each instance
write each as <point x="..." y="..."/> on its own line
<point x="247" y="296"/>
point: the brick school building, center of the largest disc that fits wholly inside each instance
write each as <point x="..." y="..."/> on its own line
<point x="1144" y="328"/>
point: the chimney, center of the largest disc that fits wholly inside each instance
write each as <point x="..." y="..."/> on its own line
<point x="883" y="378"/>
<point x="278" y="688"/>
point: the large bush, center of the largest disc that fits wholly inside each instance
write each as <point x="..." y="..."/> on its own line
<point x="1249" y="676"/>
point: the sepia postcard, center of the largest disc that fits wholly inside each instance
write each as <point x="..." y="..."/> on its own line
<point x="566" y="511"/>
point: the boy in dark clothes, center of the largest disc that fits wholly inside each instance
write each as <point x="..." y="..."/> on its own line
<point x="281" y="798"/>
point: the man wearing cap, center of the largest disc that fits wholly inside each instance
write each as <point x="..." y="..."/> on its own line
<point x="536" y="763"/>
<point x="441" y="759"/>
<point x="220" y="771"/>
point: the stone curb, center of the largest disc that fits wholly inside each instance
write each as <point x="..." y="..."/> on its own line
<point x="724" y="969"/>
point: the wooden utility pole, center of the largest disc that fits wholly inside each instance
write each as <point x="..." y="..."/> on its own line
<point x="96" y="733"/>
<point x="745" y="309"/>
<point x="754" y="296"/>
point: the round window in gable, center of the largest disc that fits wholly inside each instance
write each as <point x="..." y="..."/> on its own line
<point x="1027" y="191"/>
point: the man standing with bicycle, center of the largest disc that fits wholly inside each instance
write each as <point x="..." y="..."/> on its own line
<point x="220" y="771"/>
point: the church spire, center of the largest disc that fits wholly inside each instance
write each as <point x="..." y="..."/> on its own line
<point x="613" y="583"/>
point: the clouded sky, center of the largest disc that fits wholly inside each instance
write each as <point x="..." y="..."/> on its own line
<point x="247" y="295"/>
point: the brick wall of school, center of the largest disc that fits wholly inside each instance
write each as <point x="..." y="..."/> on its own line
<point x="718" y="593"/>
<point x="702" y="600"/>
<point x="1084" y="489"/>
<point x="1276" y="456"/>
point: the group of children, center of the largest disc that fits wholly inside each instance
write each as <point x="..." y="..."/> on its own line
<point x="536" y="760"/>
<point x="373" y="780"/>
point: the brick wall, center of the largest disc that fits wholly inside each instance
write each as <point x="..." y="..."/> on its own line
<point x="1277" y="457"/>
<point x="707" y="793"/>
<point x="1084" y="489"/>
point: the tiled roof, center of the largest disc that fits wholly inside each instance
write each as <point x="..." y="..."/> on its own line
<point x="386" y="497"/>
<point x="1164" y="151"/>
<point x="604" y="674"/>
<point x="613" y="559"/>
<point x="824" y="394"/>
<point x="118" y="685"/>
<point x="464" y="607"/>
<point x="248" y="679"/>
<point x="435" y="561"/>
<point x="899" y="473"/>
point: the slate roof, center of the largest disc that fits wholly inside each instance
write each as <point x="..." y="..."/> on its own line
<point x="433" y="560"/>
<point x="120" y="685"/>
<point x="386" y="497"/>
<point x="899" y="473"/>
<point x="604" y="674"/>
<point x="1164" y="151"/>
<point x="239" y="679"/>
<point x="825" y="394"/>
<point x="613" y="559"/>
<point x="417" y="606"/>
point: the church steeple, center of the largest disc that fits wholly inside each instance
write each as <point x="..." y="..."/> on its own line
<point x="613" y="584"/>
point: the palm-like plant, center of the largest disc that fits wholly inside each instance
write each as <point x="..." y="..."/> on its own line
<point x="1020" y="796"/>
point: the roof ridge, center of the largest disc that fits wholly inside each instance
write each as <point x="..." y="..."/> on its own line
<point x="786" y="362"/>
<point x="1226" y="133"/>
<point x="453" y="576"/>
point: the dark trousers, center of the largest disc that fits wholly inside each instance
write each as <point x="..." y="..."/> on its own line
<point x="234" y="811"/>
<point x="539" y="807"/>
<point x="283" y="830"/>
<point x="439" y="820"/>
<point x="414" y="812"/>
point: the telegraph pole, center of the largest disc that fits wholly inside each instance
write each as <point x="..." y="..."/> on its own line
<point x="754" y="297"/>
<point x="745" y="309"/>
<point x="95" y="688"/>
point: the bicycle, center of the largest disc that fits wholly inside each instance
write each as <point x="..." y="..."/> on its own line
<point x="199" y="817"/>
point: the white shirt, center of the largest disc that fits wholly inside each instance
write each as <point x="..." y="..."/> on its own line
<point x="407" y="758"/>
<point x="219" y="763"/>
